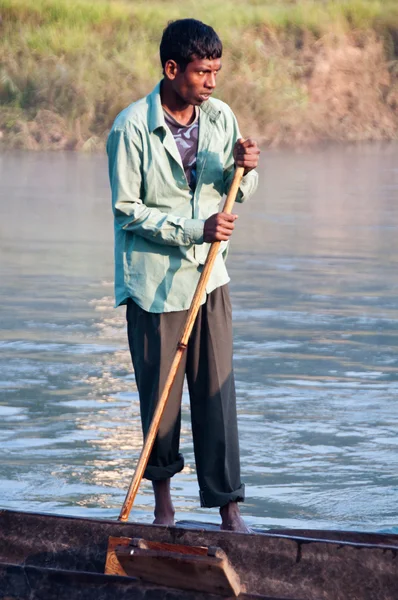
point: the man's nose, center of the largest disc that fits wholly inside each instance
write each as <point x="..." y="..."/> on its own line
<point x="211" y="81"/>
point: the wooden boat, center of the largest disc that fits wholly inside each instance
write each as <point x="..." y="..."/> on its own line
<point x="50" y="557"/>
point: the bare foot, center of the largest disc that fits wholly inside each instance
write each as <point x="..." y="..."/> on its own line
<point x="164" y="520"/>
<point x="164" y="509"/>
<point x="232" y="520"/>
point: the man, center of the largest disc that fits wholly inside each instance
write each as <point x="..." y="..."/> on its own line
<point x="171" y="159"/>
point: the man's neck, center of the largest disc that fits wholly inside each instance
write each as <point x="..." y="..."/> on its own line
<point x="181" y="112"/>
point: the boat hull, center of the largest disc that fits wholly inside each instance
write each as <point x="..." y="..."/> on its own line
<point x="52" y="556"/>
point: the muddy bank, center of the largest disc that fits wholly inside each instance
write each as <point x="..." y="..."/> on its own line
<point x="351" y="92"/>
<point x="63" y="80"/>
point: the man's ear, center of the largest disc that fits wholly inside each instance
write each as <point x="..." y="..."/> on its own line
<point x="171" y="69"/>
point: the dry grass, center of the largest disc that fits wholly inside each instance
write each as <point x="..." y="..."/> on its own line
<point x="294" y="72"/>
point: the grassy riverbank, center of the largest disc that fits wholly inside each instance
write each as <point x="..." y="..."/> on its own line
<point x="294" y="72"/>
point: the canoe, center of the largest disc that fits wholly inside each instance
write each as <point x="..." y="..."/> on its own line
<point x="51" y="557"/>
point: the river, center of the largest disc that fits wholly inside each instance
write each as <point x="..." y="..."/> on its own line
<point x="314" y="287"/>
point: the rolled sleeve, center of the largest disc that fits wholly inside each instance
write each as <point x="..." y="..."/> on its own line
<point x="193" y="231"/>
<point x="247" y="186"/>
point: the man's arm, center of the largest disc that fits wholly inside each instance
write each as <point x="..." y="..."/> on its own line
<point x="239" y="152"/>
<point x="131" y="214"/>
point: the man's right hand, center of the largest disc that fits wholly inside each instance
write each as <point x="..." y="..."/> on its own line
<point x="219" y="227"/>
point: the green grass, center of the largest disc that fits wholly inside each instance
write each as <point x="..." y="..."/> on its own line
<point x="83" y="61"/>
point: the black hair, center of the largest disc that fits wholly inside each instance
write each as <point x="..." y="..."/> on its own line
<point x="186" y="39"/>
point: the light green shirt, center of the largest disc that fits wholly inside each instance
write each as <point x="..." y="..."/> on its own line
<point x="159" y="221"/>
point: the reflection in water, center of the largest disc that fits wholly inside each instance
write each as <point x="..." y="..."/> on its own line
<point x="314" y="290"/>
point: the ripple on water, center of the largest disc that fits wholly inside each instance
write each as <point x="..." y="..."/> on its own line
<point x="56" y="347"/>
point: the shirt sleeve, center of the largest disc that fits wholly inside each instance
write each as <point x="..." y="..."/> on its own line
<point x="131" y="214"/>
<point x="249" y="181"/>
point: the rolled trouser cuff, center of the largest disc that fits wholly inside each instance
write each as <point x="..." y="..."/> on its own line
<point x="154" y="473"/>
<point x="209" y="499"/>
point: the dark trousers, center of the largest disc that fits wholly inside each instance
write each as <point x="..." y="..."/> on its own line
<point x="207" y="363"/>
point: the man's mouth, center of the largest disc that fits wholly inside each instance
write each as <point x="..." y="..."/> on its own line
<point x="205" y="96"/>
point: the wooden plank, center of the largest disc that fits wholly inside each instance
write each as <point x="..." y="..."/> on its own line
<point x="112" y="564"/>
<point x="180" y="548"/>
<point x="211" y="574"/>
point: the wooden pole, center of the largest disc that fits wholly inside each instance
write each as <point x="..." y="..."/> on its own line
<point x="182" y="345"/>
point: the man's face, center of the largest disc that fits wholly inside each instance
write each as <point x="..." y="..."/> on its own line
<point x="197" y="82"/>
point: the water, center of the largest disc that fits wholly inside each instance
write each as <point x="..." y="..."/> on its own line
<point x="314" y="290"/>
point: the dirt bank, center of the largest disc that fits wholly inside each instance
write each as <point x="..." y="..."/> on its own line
<point x="65" y="74"/>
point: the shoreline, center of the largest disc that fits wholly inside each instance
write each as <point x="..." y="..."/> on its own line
<point x="296" y="74"/>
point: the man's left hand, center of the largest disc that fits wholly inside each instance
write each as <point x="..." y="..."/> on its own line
<point x="246" y="154"/>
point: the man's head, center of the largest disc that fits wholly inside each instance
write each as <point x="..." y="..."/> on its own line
<point x="190" y="52"/>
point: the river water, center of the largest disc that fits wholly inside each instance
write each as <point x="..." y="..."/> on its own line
<point x="315" y="295"/>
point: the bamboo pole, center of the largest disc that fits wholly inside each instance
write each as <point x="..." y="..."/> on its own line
<point x="182" y="345"/>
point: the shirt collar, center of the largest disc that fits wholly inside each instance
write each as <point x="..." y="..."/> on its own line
<point x="155" y="110"/>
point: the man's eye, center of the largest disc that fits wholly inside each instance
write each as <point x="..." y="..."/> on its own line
<point x="201" y="72"/>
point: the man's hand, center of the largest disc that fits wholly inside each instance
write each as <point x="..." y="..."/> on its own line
<point x="246" y="153"/>
<point x="219" y="227"/>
